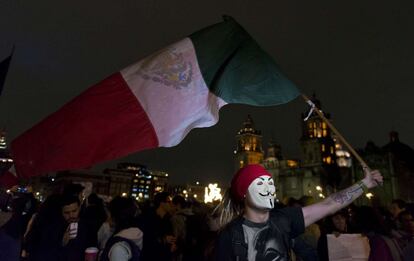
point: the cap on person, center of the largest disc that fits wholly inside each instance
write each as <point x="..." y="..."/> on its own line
<point x="244" y="177"/>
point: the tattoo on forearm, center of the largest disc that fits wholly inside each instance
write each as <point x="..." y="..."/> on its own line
<point x="347" y="195"/>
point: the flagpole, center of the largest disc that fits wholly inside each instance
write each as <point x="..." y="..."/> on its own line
<point x="340" y="137"/>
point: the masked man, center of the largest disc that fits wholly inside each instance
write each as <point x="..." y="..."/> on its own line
<point x="254" y="230"/>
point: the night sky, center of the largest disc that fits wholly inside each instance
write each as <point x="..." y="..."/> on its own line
<point x="357" y="56"/>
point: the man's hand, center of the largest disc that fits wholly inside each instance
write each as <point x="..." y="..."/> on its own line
<point x="372" y="178"/>
<point x="170" y="239"/>
<point x="66" y="238"/>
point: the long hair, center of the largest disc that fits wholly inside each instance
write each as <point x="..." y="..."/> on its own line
<point x="227" y="210"/>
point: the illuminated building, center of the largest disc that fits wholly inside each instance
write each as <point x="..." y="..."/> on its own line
<point x="317" y="144"/>
<point x="323" y="164"/>
<point x="5" y="160"/>
<point x="395" y="161"/>
<point x="127" y="180"/>
<point x="145" y="183"/>
<point x="326" y="166"/>
<point x="191" y="192"/>
<point x="322" y="152"/>
<point x="249" y="145"/>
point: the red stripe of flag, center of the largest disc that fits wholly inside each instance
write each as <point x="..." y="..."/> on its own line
<point x="103" y="123"/>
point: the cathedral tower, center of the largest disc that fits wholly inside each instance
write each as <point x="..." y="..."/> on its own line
<point x="249" y="145"/>
<point x="317" y="144"/>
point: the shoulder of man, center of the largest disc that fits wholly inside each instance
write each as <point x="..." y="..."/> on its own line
<point x="289" y="219"/>
<point x="231" y="242"/>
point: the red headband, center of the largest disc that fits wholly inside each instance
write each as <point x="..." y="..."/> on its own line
<point x="244" y="177"/>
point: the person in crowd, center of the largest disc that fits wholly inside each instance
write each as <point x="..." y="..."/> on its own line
<point x="105" y="232"/>
<point x="57" y="232"/>
<point x="336" y="224"/>
<point x="382" y="244"/>
<point x="126" y="243"/>
<point x="253" y="232"/>
<point x="21" y="206"/>
<point x="76" y="236"/>
<point x="190" y="228"/>
<point x="159" y="239"/>
<point x="74" y="189"/>
<point x="407" y="221"/>
<point x="179" y="223"/>
<point x="42" y="239"/>
<point x="397" y="206"/>
<point x="94" y="214"/>
<point x="406" y="234"/>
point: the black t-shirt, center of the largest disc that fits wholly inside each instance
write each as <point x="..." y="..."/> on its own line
<point x="261" y="241"/>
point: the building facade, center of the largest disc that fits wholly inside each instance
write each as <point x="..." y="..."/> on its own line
<point x="324" y="167"/>
<point x="5" y="160"/>
<point x="144" y="183"/>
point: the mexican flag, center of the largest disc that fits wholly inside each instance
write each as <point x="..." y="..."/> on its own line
<point x="155" y="102"/>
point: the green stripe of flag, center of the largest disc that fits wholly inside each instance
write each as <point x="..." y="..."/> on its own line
<point x="236" y="69"/>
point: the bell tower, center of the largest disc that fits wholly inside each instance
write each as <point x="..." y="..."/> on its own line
<point x="317" y="144"/>
<point x="249" y="145"/>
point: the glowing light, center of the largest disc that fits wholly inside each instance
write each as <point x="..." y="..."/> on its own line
<point x="318" y="188"/>
<point x="140" y="194"/>
<point x="369" y="195"/>
<point x="166" y="174"/>
<point x="195" y="195"/>
<point x="124" y="194"/>
<point x="197" y="183"/>
<point x="37" y="193"/>
<point x="212" y="193"/>
<point x="8" y="191"/>
<point x="185" y="192"/>
<point x="321" y="195"/>
<point x="292" y="163"/>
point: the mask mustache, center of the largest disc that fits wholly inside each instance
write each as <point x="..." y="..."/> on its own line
<point x="267" y="194"/>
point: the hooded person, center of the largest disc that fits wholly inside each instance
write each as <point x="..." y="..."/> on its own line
<point x="252" y="229"/>
<point x="126" y="242"/>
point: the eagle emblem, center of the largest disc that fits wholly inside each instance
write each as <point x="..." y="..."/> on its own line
<point x="169" y="68"/>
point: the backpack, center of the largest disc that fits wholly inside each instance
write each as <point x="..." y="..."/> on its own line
<point x="135" y="251"/>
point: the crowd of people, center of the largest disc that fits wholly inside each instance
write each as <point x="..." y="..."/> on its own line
<point x="169" y="227"/>
<point x="66" y="224"/>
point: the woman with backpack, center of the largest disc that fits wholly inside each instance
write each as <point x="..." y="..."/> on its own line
<point x="126" y="242"/>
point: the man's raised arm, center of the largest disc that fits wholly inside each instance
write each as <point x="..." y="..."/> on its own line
<point x="341" y="199"/>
